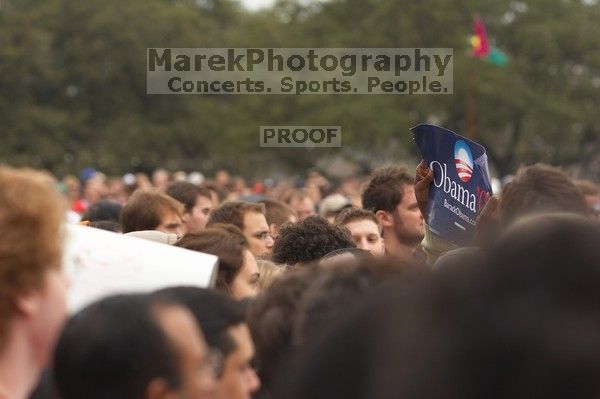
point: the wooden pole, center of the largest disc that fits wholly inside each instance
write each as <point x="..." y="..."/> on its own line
<point x="471" y="124"/>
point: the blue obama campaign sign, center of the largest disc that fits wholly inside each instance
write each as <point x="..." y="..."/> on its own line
<point x="461" y="182"/>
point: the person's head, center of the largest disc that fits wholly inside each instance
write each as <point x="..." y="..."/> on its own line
<point x="198" y="366"/>
<point x="278" y="213"/>
<point x="302" y="204"/>
<point x="197" y="204"/>
<point x="103" y="210"/>
<point x="269" y="272"/>
<point x="238" y="272"/>
<point x="117" y="190"/>
<point x="160" y="179"/>
<point x="547" y="241"/>
<point x="129" y="346"/>
<point x="332" y="205"/>
<point x="344" y="257"/>
<point x="237" y="185"/>
<point x="539" y="188"/>
<point x="107" y="225"/>
<point x="222" y="177"/>
<point x="32" y="285"/>
<point x="152" y="210"/>
<point x="72" y="186"/>
<point x="142" y="181"/>
<point x="591" y="193"/>
<point x="536" y="310"/>
<point x="364" y="227"/>
<point x="218" y="194"/>
<point x="390" y="194"/>
<point x="337" y="288"/>
<point x="522" y="323"/>
<point x="308" y="240"/>
<point x="271" y="321"/>
<point x="94" y="189"/>
<point x="224" y="327"/>
<point x="250" y="219"/>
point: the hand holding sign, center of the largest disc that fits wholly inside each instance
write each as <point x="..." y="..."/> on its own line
<point x="423" y="178"/>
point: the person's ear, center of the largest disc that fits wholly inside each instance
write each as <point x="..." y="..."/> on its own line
<point x="27" y="304"/>
<point x="273" y="230"/>
<point x="385" y="218"/>
<point x="159" y="389"/>
<point x="185" y="217"/>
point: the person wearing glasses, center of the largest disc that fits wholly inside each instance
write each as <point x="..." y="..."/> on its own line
<point x="250" y="219"/>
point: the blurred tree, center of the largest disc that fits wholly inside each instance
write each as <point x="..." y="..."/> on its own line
<point x="73" y="83"/>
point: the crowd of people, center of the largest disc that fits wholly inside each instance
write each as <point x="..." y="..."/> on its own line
<point x="324" y="289"/>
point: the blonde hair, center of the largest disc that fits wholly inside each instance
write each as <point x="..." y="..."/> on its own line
<point x="269" y="272"/>
<point x="32" y="213"/>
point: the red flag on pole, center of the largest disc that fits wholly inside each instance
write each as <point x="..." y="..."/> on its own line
<point x="481" y="47"/>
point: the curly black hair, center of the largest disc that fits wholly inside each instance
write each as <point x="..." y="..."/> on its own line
<point x="309" y="240"/>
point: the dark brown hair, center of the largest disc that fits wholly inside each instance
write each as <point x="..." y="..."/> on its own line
<point x="233" y="213"/>
<point x="540" y="188"/>
<point x="187" y="193"/>
<point x="277" y="212"/>
<point x="221" y="192"/>
<point x="385" y="188"/>
<point x="309" y="240"/>
<point x="350" y="215"/>
<point x="225" y="241"/>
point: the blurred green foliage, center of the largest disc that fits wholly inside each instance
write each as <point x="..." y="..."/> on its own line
<point x="73" y="83"/>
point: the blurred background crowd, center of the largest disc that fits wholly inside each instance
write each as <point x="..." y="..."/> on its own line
<point x="329" y="283"/>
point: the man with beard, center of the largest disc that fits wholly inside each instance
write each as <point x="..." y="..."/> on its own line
<point x="390" y="194"/>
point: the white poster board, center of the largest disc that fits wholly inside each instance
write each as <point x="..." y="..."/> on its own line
<point x="100" y="263"/>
